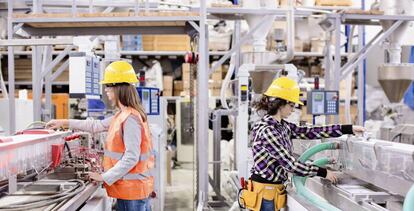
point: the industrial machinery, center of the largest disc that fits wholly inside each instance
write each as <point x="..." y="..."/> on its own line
<point x="43" y="169"/>
<point x="374" y="174"/>
<point x="48" y="170"/>
<point x="84" y="88"/>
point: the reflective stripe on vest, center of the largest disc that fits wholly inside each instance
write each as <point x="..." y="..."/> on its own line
<point x="136" y="176"/>
<point x="118" y="155"/>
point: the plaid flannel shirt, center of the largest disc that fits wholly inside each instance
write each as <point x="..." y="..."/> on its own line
<point x="272" y="147"/>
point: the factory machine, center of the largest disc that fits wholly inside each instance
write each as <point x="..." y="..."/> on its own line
<point x="375" y="173"/>
<point x="44" y="169"/>
<point x="47" y="170"/>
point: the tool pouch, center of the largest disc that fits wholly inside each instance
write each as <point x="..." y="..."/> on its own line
<point x="280" y="199"/>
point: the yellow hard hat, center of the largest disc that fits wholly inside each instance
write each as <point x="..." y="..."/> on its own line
<point x="119" y="72"/>
<point x="284" y="88"/>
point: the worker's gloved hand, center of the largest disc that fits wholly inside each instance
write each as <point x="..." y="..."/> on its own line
<point x="358" y="129"/>
<point x="55" y="124"/>
<point x="331" y="176"/>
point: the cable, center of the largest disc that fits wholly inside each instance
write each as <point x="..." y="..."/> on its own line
<point x="31" y="204"/>
<point x="68" y="148"/>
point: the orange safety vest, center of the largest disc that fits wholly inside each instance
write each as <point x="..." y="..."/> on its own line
<point x="139" y="182"/>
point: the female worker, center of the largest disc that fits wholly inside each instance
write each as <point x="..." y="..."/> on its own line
<point x="128" y="156"/>
<point x="272" y="145"/>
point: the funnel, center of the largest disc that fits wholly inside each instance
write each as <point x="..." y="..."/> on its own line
<point x="395" y="79"/>
<point x="259" y="36"/>
<point x="261" y="79"/>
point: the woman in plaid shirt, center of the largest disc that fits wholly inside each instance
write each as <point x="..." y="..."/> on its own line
<point x="272" y="145"/>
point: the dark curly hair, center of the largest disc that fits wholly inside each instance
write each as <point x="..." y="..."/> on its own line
<point x="269" y="104"/>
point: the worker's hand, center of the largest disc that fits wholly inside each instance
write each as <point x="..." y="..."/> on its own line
<point x="330" y="175"/>
<point x="55" y="124"/>
<point x="95" y="176"/>
<point x="358" y="129"/>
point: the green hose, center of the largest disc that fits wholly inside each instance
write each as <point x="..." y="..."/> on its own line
<point x="300" y="181"/>
<point x="409" y="200"/>
<point x="317" y="148"/>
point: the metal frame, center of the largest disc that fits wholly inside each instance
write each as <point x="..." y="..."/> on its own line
<point x="338" y="72"/>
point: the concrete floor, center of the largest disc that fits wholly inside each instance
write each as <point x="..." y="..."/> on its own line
<point x="180" y="194"/>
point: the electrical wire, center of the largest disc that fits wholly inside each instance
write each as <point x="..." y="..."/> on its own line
<point x="31" y="204"/>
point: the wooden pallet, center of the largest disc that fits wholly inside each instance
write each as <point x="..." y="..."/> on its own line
<point x="47" y="24"/>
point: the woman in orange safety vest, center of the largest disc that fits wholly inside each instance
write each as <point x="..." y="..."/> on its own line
<point x="128" y="156"/>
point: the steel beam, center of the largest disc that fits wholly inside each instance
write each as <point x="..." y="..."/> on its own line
<point x="361" y="80"/>
<point x="202" y="111"/>
<point x="36" y="83"/>
<point x="47" y="58"/>
<point x="79" y="31"/>
<point x="60" y="70"/>
<point x="59" y="58"/>
<point x="338" y="59"/>
<point x="10" y="65"/>
<point x="36" y="42"/>
<point x="350" y="65"/>
<point x="194" y="25"/>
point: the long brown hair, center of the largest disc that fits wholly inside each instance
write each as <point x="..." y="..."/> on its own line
<point x="127" y="95"/>
<point x="270" y="105"/>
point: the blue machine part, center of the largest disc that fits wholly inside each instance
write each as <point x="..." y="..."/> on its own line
<point x="150" y="99"/>
<point x="96" y="108"/>
<point x="409" y="94"/>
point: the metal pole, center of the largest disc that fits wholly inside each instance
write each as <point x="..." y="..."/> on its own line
<point x="337" y="68"/>
<point x="10" y="58"/>
<point x="361" y="79"/>
<point x="48" y="84"/>
<point x="216" y="152"/>
<point x="328" y="65"/>
<point x="202" y="110"/>
<point x="36" y="83"/>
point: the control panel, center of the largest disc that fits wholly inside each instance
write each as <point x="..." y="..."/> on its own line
<point x="322" y="102"/>
<point x="150" y="99"/>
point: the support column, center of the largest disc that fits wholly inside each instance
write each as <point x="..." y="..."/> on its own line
<point x="361" y="79"/>
<point x="202" y="111"/>
<point x="47" y="58"/>
<point x="36" y="83"/>
<point x="10" y="67"/>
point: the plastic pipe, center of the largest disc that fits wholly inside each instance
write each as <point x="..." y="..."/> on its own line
<point x="226" y="82"/>
<point x="317" y="148"/>
<point x="409" y="200"/>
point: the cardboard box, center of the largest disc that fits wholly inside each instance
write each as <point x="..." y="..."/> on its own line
<point x="217" y="76"/>
<point x="166" y="42"/>
<point x="186" y="68"/>
<point x="215" y="92"/>
<point x="178" y="85"/>
<point x="167" y="82"/>
<point x="167" y="92"/>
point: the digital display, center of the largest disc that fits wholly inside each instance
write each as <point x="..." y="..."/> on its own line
<point x="318" y="96"/>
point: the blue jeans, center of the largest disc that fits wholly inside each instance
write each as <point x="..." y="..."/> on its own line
<point x="267" y="205"/>
<point x="133" y="205"/>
